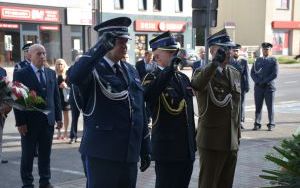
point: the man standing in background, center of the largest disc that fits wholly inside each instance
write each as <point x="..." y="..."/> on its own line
<point x="145" y="65"/>
<point x="201" y="62"/>
<point x="242" y="66"/>
<point x="264" y="72"/>
<point x="26" y="60"/>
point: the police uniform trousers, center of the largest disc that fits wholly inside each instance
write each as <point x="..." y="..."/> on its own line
<point x="261" y="94"/>
<point x="216" y="168"/>
<point x="104" y="173"/>
<point x="175" y="174"/>
<point x="41" y="133"/>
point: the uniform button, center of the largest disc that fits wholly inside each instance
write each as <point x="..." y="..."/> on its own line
<point x="97" y="127"/>
<point x="132" y="98"/>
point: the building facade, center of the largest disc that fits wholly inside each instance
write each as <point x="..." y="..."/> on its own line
<point x="62" y="26"/>
<point x="149" y="19"/>
<point x="251" y="23"/>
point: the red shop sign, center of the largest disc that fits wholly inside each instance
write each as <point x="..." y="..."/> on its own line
<point x="286" y="25"/>
<point x="154" y="25"/>
<point x="9" y="26"/>
<point x="49" y="27"/>
<point x="29" y="14"/>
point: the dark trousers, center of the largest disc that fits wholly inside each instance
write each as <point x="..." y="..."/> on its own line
<point x="243" y="94"/>
<point x="217" y="168"/>
<point x="173" y="174"/>
<point x="42" y="135"/>
<point x="110" y="174"/>
<point x="261" y="94"/>
<point x="74" y="123"/>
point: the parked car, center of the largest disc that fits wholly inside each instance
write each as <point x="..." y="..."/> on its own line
<point x="188" y="57"/>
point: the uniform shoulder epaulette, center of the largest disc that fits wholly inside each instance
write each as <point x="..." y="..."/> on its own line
<point x="148" y="78"/>
<point x="233" y="68"/>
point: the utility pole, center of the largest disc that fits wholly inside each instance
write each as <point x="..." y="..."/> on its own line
<point x="207" y="28"/>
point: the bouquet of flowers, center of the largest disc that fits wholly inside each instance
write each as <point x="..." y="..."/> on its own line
<point x="20" y="97"/>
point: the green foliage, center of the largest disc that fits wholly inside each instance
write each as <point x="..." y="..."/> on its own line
<point x="288" y="161"/>
<point x="286" y="60"/>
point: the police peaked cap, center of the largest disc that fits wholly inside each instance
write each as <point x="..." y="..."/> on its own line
<point x="118" y="26"/>
<point x="266" y="45"/>
<point x="164" y="41"/>
<point x="26" y="46"/>
<point x="237" y="47"/>
<point x="220" y="38"/>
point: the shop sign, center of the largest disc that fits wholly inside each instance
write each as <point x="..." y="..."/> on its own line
<point x="49" y="27"/>
<point x="286" y="25"/>
<point x="78" y="16"/>
<point x="29" y="14"/>
<point x="9" y="26"/>
<point x="154" y="26"/>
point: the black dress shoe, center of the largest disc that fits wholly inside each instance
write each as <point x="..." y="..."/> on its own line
<point x="4" y="161"/>
<point x="242" y="127"/>
<point x="46" y="186"/>
<point x="71" y="141"/>
<point x="270" y="127"/>
<point x="257" y="126"/>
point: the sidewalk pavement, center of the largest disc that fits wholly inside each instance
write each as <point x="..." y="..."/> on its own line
<point x="254" y="145"/>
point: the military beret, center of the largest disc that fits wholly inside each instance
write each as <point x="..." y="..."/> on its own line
<point x="266" y="45"/>
<point x="26" y="46"/>
<point x="164" y="41"/>
<point x="118" y="26"/>
<point x="220" y="38"/>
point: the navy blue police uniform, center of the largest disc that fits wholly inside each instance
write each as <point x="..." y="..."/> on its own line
<point x="168" y="94"/>
<point x="25" y="62"/>
<point x="264" y="72"/>
<point x="242" y="66"/>
<point x="116" y="134"/>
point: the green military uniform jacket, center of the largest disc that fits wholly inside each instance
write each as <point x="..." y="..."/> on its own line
<point x="219" y="122"/>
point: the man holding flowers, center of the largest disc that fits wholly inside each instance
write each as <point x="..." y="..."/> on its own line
<point x="34" y="126"/>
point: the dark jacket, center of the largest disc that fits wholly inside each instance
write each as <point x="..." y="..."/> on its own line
<point x="141" y="68"/>
<point x="242" y="66"/>
<point x="116" y="130"/>
<point x="29" y="79"/>
<point x="173" y="134"/>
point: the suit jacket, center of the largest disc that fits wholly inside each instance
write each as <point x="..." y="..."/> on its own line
<point x="117" y="129"/>
<point x="198" y="64"/>
<point x="242" y="66"/>
<point x="264" y="72"/>
<point x="218" y="127"/>
<point x="173" y="135"/>
<point x="141" y="68"/>
<point x="28" y="77"/>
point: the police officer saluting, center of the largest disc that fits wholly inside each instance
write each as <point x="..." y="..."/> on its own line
<point x="241" y="65"/>
<point x="168" y="94"/>
<point x="218" y="91"/>
<point x="116" y="133"/>
<point x="264" y="72"/>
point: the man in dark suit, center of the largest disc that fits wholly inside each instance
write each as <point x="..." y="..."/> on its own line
<point x="36" y="127"/>
<point x="168" y="94"/>
<point x="201" y="62"/>
<point x="218" y="90"/>
<point x="145" y="65"/>
<point x="264" y="72"/>
<point x="242" y="66"/>
<point x="116" y="133"/>
<point x="26" y="60"/>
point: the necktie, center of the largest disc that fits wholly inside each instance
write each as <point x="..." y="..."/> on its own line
<point x="119" y="74"/>
<point x="42" y="82"/>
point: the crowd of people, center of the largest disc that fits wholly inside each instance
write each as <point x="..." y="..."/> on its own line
<point x="119" y="102"/>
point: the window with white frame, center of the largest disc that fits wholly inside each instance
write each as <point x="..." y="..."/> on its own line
<point x="142" y="4"/>
<point x="119" y="4"/>
<point x="157" y="5"/>
<point x="282" y="4"/>
<point x="178" y="6"/>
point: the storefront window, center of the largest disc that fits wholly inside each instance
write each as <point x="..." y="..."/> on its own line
<point x="50" y="38"/>
<point x="280" y="43"/>
<point x="179" y="39"/>
<point x="140" y="46"/>
<point x="9" y="46"/>
<point x="77" y="41"/>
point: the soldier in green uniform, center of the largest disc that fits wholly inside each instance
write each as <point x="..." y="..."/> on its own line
<point x="218" y="94"/>
<point x="168" y="94"/>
